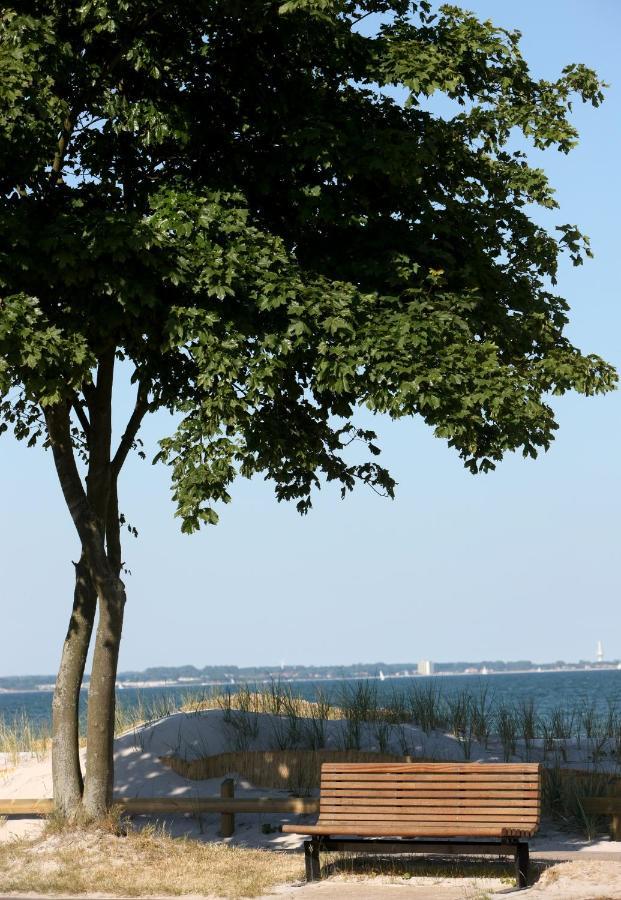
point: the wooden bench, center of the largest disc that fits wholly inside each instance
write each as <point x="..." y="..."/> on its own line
<point x="446" y="808"/>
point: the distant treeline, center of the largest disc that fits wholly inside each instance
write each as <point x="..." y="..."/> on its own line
<point x="267" y="673"/>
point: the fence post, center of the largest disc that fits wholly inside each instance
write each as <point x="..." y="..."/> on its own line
<point x="227" y="819"/>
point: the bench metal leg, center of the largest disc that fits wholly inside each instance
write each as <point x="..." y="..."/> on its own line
<point x="521" y="864"/>
<point x="311" y="859"/>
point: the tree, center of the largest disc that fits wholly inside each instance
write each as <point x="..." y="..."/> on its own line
<point x="223" y="196"/>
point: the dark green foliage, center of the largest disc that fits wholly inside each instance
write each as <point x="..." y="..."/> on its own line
<point x="222" y="192"/>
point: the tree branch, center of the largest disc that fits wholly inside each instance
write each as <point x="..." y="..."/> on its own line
<point x="59" y="156"/>
<point x="79" y="411"/>
<point x="59" y="430"/>
<point x="127" y="441"/>
<point x="100" y="408"/>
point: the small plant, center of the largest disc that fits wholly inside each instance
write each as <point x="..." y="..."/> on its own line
<point x="507" y="728"/>
<point x="315" y="724"/>
<point x="403" y="739"/>
<point x="397" y="710"/>
<point x="461" y="720"/>
<point x="240" y="717"/>
<point x="426" y="708"/>
<point x="527" y="725"/>
<point x="359" y="706"/>
<point x="482" y="715"/>
<point x="382" y="732"/>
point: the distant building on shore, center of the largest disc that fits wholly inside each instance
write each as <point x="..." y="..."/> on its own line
<point x="600" y="652"/>
<point x="425" y="667"/>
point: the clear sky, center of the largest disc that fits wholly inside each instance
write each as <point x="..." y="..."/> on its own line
<point x="521" y="563"/>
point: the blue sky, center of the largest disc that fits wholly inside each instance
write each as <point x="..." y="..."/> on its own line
<point x="522" y="563"/>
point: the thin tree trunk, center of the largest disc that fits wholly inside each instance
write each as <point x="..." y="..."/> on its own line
<point x="66" y="770"/>
<point x="101" y="703"/>
<point x="101" y="692"/>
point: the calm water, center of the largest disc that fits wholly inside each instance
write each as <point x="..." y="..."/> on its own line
<point x="548" y="690"/>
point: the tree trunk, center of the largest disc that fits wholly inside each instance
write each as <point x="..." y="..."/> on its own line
<point x="95" y="515"/>
<point x="101" y="700"/>
<point x="66" y="770"/>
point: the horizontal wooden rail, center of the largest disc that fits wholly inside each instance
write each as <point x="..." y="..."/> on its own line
<point x="180" y="805"/>
<point x="26" y="807"/>
<point x="605" y="806"/>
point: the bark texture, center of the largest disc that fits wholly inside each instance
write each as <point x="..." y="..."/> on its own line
<point x="101" y="701"/>
<point x="66" y="769"/>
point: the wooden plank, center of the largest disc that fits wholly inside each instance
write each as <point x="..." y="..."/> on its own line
<point x="387" y="816"/>
<point x="499" y="782"/>
<point x="42" y="807"/>
<point x="426" y="793"/>
<point x="178" y="805"/>
<point x="605" y="806"/>
<point x="528" y="821"/>
<point x="512" y="768"/>
<point x="467" y="830"/>
<point x="490" y="774"/>
<point x="409" y="802"/>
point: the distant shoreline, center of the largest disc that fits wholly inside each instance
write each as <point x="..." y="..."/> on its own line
<point x="323" y="679"/>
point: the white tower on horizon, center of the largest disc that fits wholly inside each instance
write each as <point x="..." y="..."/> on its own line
<point x="600" y="652"/>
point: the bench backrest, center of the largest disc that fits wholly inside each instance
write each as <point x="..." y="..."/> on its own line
<point x="471" y="797"/>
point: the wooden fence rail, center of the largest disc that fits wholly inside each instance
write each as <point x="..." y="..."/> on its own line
<point x="227" y="805"/>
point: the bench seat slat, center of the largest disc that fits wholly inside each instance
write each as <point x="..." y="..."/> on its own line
<point x="526" y="821"/>
<point x="428" y="766"/>
<point x="364" y="830"/>
<point x="428" y="820"/>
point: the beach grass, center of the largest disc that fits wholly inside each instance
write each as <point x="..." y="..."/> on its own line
<point x="22" y="735"/>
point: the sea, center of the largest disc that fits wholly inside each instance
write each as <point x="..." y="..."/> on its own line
<point x="549" y="692"/>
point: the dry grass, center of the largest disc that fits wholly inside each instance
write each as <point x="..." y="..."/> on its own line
<point x="22" y="735"/>
<point x="140" y="863"/>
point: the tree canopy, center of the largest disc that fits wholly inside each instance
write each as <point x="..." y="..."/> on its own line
<point x="224" y="193"/>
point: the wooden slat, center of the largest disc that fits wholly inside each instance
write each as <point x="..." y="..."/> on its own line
<point x="512" y="773"/>
<point x="429" y="766"/>
<point x="605" y="806"/>
<point x="426" y="793"/>
<point x="498" y="782"/>
<point x="460" y="817"/>
<point x="180" y="805"/>
<point x="449" y="777"/>
<point x="26" y="807"/>
<point x="409" y="803"/>
<point x="466" y="830"/>
<point x="370" y="813"/>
